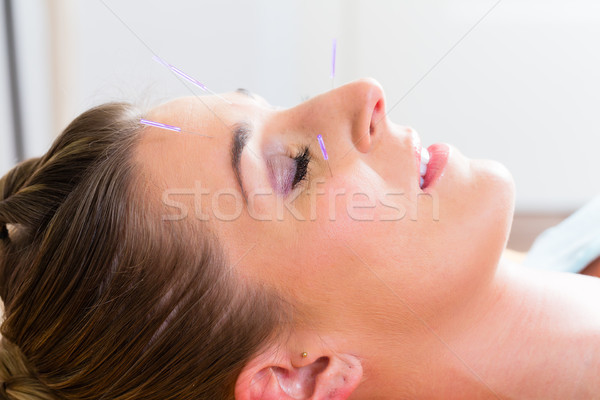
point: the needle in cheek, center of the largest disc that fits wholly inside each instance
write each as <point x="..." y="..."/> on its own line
<point x="324" y="151"/>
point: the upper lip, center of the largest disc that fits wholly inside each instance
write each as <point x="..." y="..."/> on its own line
<point x="416" y="141"/>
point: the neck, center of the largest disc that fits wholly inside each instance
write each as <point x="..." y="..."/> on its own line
<point x="531" y="335"/>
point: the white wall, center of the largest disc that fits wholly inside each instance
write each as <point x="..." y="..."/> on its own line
<point x="33" y="55"/>
<point x="523" y="87"/>
<point x="7" y="157"/>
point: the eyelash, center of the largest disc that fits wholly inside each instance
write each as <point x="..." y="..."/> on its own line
<point x="302" y="160"/>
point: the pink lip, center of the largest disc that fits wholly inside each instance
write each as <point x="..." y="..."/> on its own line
<point x="439" y="154"/>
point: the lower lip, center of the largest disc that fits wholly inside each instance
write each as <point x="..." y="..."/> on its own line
<point x="438" y="158"/>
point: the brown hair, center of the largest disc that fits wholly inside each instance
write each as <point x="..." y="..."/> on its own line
<point x="104" y="299"/>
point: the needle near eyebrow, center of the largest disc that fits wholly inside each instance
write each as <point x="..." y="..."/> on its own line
<point x="324" y="151"/>
<point x="168" y="127"/>
<point x="188" y="78"/>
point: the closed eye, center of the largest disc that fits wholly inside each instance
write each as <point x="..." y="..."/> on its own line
<point x="286" y="172"/>
<point x="302" y="160"/>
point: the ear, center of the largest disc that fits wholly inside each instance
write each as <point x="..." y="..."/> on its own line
<point x="272" y="375"/>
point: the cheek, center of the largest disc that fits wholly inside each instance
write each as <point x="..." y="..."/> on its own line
<point x="349" y="253"/>
<point x="428" y="258"/>
<point x="360" y="202"/>
<point x="373" y="231"/>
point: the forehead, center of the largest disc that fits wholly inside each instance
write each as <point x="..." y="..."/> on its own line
<point x="185" y="112"/>
<point x="182" y="166"/>
<point x="204" y="114"/>
<point x="178" y="162"/>
<point x="185" y="174"/>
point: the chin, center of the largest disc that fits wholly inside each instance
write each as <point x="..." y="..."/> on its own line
<point x="499" y="178"/>
<point x="499" y="186"/>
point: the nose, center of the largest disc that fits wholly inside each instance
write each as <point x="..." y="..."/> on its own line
<point x="350" y="116"/>
<point x="366" y="109"/>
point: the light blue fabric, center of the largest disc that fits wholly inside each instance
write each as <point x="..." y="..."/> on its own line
<point x="571" y="245"/>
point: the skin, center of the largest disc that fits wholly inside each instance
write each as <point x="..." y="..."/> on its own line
<point x="425" y="296"/>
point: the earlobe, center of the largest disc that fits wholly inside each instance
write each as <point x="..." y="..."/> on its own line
<point x="330" y="376"/>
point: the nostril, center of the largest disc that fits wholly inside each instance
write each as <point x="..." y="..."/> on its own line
<point x="368" y="110"/>
<point x="378" y="106"/>
<point x="376" y="116"/>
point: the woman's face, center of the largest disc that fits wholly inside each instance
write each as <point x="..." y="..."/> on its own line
<point x="356" y="241"/>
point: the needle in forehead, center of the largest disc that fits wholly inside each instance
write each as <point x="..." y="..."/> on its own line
<point x="324" y="151"/>
<point x="188" y="78"/>
<point x="159" y="125"/>
<point x="168" y="127"/>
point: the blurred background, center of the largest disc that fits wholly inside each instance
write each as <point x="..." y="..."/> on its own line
<point x="513" y="80"/>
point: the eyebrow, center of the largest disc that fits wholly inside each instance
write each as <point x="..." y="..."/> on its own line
<point x="241" y="132"/>
<point x="254" y="97"/>
<point x="246" y="92"/>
